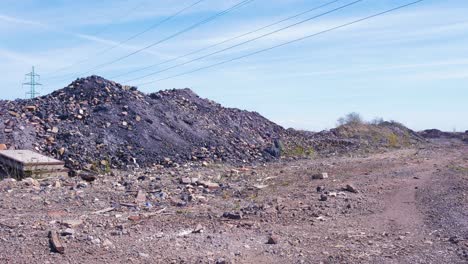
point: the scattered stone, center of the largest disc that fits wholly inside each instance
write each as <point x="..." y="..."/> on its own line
<point x="68" y="232"/>
<point x="320" y="188"/>
<point x="455" y="239"/>
<point x="320" y="176"/>
<point x="88" y="177"/>
<point x="428" y="242"/>
<point x="72" y="223"/>
<point x="209" y="185"/>
<point x="14" y="114"/>
<point x="272" y="240"/>
<point x="140" y="197"/>
<point x="233" y="216"/>
<point x="81" y="185"/>
<point x="185" y="181"/>
<point x="57" y="184"/>
<point x="31" y="108"/>
<point x="221" y="261"/>
<point x="134" y="218"/>
<point x="350" y="188"/>
<point x="56" y="213"/>
<point x="143" y="255"/>
<point x="198" y="229"/>
<point x="31" y="182"/>
<point x="61" y="151"/>
<point x="323" y="197"/>
<point x="107" y="243"/>
<point x="8" y="180"/>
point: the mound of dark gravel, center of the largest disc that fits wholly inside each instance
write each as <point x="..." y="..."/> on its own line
<point x="96" y="122"/>
<point x="436" y="134"/>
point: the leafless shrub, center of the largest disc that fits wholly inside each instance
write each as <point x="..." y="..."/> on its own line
<point x="350" y="119"/>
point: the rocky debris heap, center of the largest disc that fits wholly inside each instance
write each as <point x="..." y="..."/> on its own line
<point x="99" y="123"/>
<point x="435" y="133"/>
<point x="96" y="124"/>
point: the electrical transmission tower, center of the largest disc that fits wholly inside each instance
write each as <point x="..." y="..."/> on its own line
<point x="33" y="78"/>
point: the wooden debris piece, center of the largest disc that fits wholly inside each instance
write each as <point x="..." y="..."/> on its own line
<point x="56" y="243"/>
<point x="106" y="210"/>
<point x="128" y="205"/>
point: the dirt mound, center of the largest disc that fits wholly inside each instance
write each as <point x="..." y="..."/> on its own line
<point x="384" y="134"/>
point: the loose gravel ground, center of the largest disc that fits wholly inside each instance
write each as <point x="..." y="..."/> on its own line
<point x="397" y="206"/>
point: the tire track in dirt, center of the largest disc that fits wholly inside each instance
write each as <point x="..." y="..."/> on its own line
<point x="401" y="213"/>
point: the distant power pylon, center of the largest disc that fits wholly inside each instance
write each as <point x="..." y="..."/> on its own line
<point x="33" y="78"/>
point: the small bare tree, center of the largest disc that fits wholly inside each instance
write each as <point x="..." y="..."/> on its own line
<point x="350" y="119"/>
<point x="377" y="121"/>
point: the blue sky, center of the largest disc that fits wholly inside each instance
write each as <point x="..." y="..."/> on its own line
<point x="410" y="66"/>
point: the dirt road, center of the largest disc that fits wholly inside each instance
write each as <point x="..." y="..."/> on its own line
<point x="402" y="206"/>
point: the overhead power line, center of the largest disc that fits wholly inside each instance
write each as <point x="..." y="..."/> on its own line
<point x="247" y="41"/>
<point x="99" y="32"/>
<point x="198" y="24"/>
<point x="283" y="44"/>
<point x="152" y="27"/>
<point x="158" y="24"/>
<point x="226" y="41"/>
<point x="122" y="17"/>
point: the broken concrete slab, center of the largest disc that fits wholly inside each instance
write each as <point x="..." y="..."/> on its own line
<point x="26" y="163"/>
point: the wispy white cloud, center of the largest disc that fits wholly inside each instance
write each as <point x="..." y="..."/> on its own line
<point x="17" y="20"/>
<point x="419" y="67"/>
<point x="38" y="24"/>
<point x="437" y="75"/>
<point x="113" y="12"/>
<point x="78" y="53"/>
<point x="14" y="56"/>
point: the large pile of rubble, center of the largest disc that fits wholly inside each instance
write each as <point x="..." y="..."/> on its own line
<point x="98" y="124"/>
